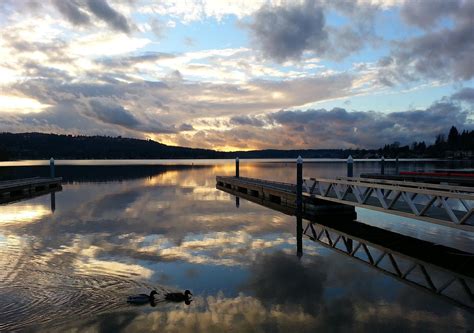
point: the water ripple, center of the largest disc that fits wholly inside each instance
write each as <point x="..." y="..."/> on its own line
<point x="36" y="293"/>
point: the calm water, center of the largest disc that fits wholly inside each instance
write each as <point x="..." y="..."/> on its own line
<point x="120" y="230"/>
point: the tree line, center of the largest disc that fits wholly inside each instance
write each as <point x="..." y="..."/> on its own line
<point x="455" y="145"/>
<point x="18" y="146"/>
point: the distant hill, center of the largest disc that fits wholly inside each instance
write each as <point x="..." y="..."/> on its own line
<point x="20" y="146"/>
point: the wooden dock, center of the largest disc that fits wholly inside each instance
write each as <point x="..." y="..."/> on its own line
<point x="19" y="189"/>
<point x="446" y="205"/>
<point x="282" y="197"/>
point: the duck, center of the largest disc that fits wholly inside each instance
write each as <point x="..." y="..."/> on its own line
<point x="179" y="297"/>
<point x="142" y="298"/>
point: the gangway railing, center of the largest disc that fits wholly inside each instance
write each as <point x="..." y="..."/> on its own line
<point x="452" y="206"/>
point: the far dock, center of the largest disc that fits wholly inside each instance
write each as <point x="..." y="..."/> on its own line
<point x="18" y="189"/>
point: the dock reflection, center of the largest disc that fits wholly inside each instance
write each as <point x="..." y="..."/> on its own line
<point x="433" y="268"/>
<point x="31" y="195"/>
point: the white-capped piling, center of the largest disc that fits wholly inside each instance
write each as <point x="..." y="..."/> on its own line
<point x="299" y="184"/>
<point x="299" y="206"/>
<point x="51" y="167"/>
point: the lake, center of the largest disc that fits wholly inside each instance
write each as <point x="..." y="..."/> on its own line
<point x="70" y="259"/>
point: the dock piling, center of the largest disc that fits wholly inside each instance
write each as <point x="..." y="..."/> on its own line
<point x="350" y="166"/>
<point x="237" y="175"/>
<point x="51" y="167"/>
<point x="382" y="165"/>
<point x="299" y="206"/>
<point x="299" y="185"/>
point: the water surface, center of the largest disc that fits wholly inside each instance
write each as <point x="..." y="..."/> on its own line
<point x="118" y="230"/>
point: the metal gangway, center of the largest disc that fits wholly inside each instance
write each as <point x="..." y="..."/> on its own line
<point x="447" y="205"/>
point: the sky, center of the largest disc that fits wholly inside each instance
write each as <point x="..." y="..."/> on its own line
<point x="239" y="75"/>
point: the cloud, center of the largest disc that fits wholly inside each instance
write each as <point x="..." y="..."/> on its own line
<point x="72" y="12"/>
<point x="442" y="51"/>
<point x="426" y="14"/>
<point x="465" y="95"/>
<point x="77" y="12"/>
<point x="186" y="127"/>
<point x="111" y="113"/>
<point x="280" y="278"/>
<point x="341" y="128"/>
<point x="247" y="120"/>
<point x="286" y="32"/>
<point x="338" y="127"/>
<point x="128" y="61"/>
<point x="102" y="10"/>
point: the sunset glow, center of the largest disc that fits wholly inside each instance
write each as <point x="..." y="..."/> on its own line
<point x="238" y="75"/>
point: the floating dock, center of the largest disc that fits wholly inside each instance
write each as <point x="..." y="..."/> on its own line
<point x="19" y="189"/>
<point x="283" y="197"/>
<point x="446" y="205"/>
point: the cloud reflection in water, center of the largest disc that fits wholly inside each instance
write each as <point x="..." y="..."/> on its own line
<point x="175" y="227"/>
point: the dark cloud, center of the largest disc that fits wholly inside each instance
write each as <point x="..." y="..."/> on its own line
<point x="77" y="12"/>
<point x="341" y="128"/>
<point x="286" y="32"/>
<point x="111" y="113"/>
<point x="247" y="120"/>
<point x="439" y="53"/>
<point x="465" y="95"/>
<point x="102" y="10"/>
<point x="426" y="14"/>
<point x="128" y="61"/>
<point x="186" y="127"/>
<point x="72" y="12"/>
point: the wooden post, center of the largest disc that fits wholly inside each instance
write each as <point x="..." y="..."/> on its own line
<point x="299" y="207"/>
<point x="350" y="166"/>
<point x="382" y="166"/>
<point x="299" y="185"/>
<point x="397" y="169"/>
<point x="237" y="202"/>
<point x="51" y="167"/>
<point x="237" y="175"/>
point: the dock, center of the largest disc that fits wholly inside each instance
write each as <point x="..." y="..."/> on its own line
<point x="283" y="197"/>
<point x="328" y="206"/>
<point x="447" y="205"/>
<point x="19" y="189"/>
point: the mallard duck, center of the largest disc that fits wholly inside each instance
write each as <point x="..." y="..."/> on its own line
<point x="142" y="298"/>
<point x="179" y="297"/>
